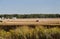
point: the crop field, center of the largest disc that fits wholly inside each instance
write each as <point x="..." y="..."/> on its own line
<point x="37" y="21"/>
<point x="44" y="28"/>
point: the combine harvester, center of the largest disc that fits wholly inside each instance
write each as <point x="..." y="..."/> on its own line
<point x="30" y="21"/>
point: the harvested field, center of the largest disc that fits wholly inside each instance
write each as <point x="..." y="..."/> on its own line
<point x="37" y="21"/>
<point x="30" y="28"/>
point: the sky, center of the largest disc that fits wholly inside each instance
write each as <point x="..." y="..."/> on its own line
<point x="29" y="6"/>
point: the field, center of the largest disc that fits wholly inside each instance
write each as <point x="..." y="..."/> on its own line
<point x="41" y="21"/>
<point x="30" y="28"/>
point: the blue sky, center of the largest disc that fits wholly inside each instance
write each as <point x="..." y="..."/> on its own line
<point x="29" y="6"/>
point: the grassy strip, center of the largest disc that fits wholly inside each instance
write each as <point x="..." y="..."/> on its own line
<point x="31" y="33"/>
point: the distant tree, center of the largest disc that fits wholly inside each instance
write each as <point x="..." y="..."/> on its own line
<point x="31" y="16"/>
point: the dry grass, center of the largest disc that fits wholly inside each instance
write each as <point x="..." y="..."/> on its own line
<point x="26" y="32"/>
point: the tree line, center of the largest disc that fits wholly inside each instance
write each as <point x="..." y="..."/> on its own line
<point x="30" y="15"/>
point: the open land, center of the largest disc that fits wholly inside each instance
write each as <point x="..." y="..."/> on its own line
<point x="37" y="21"/>
<point x="30" y="32"/>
